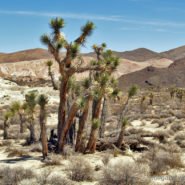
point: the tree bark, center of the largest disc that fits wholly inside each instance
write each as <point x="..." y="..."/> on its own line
<point x="43" y="132"/>
<point x="5" y="133"/>
<point x="82" y="121"/>
<point x="62" y="112"/>
<point x="55" y="87"/>
<point x="91" y="145"/>
<point x="120" y="138"/>
<point x="103" y="118"/>
<point x="21" y="123"/>
<point x="67" y="126"/>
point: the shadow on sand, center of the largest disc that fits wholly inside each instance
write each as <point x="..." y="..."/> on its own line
<point x="20" y="159"/>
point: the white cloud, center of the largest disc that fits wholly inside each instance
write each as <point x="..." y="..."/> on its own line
<point x="113" y="18"/>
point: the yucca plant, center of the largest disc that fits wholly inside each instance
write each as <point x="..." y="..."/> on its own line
<point x="42" y="101"/>
<point x="7" y="117"/>
<point x="124" y="123"/>
<point x="30" y="104"/>
<point x="19" y="109"/>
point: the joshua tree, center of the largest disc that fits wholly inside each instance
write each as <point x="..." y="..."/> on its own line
<point x="7" y="116"/>
<point x="49" y="64"/>
<point x="67" y="68"/>
<point x="42" y="101"/>
<point x="104" y="86"/>
<point x="84" y="115"/>
<point x="131" y="92"/>
<point x="17" y="108"/>
<point x="30" y="109"/>
<point x="121" y="134"/>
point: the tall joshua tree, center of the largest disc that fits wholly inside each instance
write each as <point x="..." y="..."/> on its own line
<point x="42" y="101"/>
<point x="104" y="86"/>
<point x="49" y="63"/>
<point x="67" y="68"/>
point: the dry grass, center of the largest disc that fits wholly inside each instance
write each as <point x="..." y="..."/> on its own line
<point x="12" y="176"/>
<point x="36" y="148"/>
<point x="14" y="152"/>
<point x="80" y="170"/>
<point x="160" y="160"/>
<point x="121" y="173"/>
<point x="54" y="160"/>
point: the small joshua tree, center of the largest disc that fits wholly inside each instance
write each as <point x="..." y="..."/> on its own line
<point x="7" y="117"/>
<point x="30" y="105"/>
<point x="18" y="108"/>
<point x="42" y="101"/>
<point x="121" y="134"/>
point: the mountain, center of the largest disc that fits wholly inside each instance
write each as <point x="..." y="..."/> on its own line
<point x="174" y="54"/>
<point x="26" y="55"/>
<point x="157" y="77"/>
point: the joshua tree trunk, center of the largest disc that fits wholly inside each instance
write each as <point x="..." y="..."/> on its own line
<point x="43" y="132"/>
<point x="67" y="125"/>
<point x="5" y="133"/>
<point x="21" y="123"/>
<point x="120" y="138"/>
<point x="91" y="145"/>
<point x="55" y="87"/>
<point x="82" y="121"/>
<point x="103" y="118"/>
<point x="32" y="138"/>
<point x="123" y="112"/>
<point x="62" y="113"/>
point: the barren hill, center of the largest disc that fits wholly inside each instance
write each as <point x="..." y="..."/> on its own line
<point x="157" y="77"/>
<point x="174" y="54"/>
<point x="139" y="55"/>
<point x="26" y="55"/>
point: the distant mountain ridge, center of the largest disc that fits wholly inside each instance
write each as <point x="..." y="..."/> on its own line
<point x="138" y="55"/>
<point x="26" y="55"/>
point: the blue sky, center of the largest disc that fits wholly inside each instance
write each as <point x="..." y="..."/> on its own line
<point x="123" y="24"/>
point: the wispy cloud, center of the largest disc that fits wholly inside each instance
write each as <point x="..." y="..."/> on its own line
<point x="64" y="15"/>
<point x="113" y="18"/>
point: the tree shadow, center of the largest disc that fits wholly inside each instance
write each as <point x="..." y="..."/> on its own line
<point x="20" y="159"/>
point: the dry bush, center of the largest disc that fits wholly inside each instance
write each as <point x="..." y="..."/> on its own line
<point x="176" y="127"/>
<point x="160" y="160"/>
<point x="125" y="173"/>
<point x="68" y="151"/>
<point x="53" y="160"/>
<point x="106" y="158"/>
<point x="180" y="136"/>
<point x="12" y="176"/>
<point x="13" y="152"/>
<point x="176" y="180"/>
<point x="80" y="170"/>
<point x="59" y="180"/>
<point x="36" y="147"/>
<point x="7" y="143"/>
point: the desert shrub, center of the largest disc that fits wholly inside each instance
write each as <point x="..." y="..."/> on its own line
<point x="80" y="169"/>
<point x="161" y="160"/>
<point x="127" y="173"/>
<point x="29" y="182"/>
<point x="106" y="158"/>
<point x="36" y="147"/>
<point x="176" y="127"/>
<point x="14" y="152"/>
<point x="59" y="180"/>
<point x="180" y="136"/>
<point x="68" y="151"/>
<point x="53" y="160"/>
<point x="176" y="180"/>
<point x="12" y="176"/>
